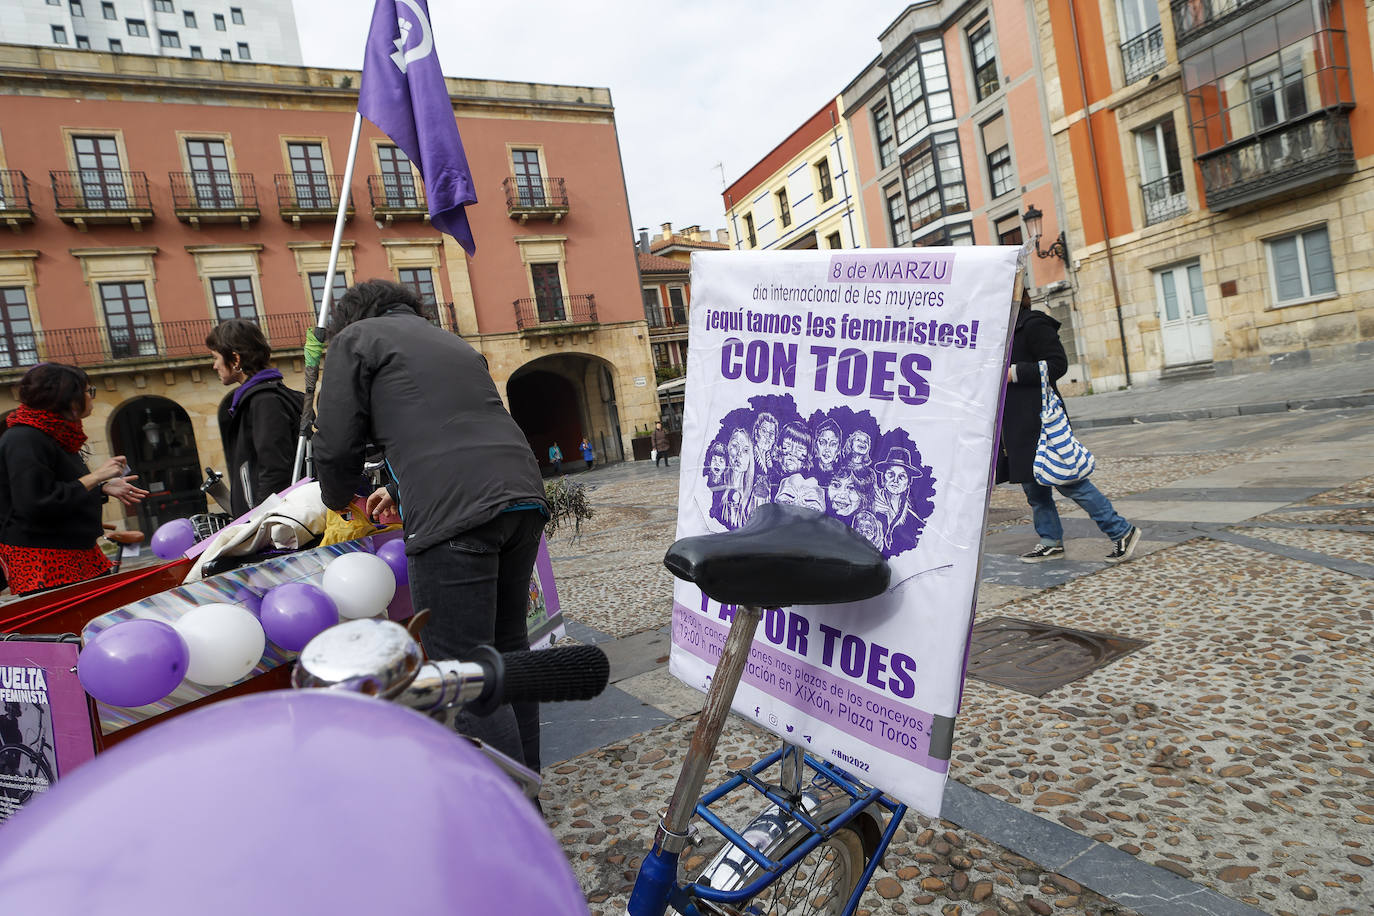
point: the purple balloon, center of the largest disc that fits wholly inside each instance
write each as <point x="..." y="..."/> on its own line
<point x="197" y="797"/>
<point x="244" y="598"/>
<point x="394" y="552"/>
<point x="174" y="538"/>
<point x="295" y="613"/>
<point x="133" y="663"/>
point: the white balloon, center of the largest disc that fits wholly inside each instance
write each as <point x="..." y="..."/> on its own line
<point x="225" y="641"/>
<point x="361" y="584"/>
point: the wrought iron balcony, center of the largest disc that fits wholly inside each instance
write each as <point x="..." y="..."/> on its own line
<point x="1163" y="199"/>
<point x="397" y="197"/>
<point x="1143" y="55"/>
<point x="528" y="199"/>
<point x="1193" y="18"/>
<point x="555" y="312"/>
<point x="168" y="340"/>
<point x="309" y="196"/>
<point x="666" y="318"/>
<point x="91" y="196"/>
<point x="16" y="209"/>
<point x="1302" y="154"/>
<point x="214" y="197"/>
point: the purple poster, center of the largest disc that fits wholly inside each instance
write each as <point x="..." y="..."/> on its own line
<point x="45" y="723"/>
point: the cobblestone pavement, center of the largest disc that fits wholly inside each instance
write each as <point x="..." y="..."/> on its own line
<point x="1229" y="754"/>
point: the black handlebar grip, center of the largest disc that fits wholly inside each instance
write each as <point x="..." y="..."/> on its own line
<point x="555" y="675"/>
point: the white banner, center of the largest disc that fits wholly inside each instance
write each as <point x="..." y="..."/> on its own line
<point x="866" y="384"/>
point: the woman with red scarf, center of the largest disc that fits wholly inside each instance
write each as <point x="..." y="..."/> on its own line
<point x="50" y="501"/>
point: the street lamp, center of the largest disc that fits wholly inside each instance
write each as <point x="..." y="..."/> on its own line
<point x="1034" y="221"/>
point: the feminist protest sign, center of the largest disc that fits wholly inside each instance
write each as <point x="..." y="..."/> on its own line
<point x="866" y="385"/>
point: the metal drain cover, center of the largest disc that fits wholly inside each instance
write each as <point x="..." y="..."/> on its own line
<point x="1035" y="658"/>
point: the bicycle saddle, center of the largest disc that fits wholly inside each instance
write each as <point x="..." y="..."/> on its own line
<point x="783" y="555"/>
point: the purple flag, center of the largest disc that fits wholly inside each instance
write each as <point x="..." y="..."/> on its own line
<point x="404" y="94"/>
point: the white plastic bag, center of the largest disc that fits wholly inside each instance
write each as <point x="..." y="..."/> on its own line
<point x="653" y="454"/>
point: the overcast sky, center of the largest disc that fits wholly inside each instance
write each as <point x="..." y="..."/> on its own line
<point x="694" y="84"/>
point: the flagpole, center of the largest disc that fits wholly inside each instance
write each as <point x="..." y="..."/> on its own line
<point x="326" y="295"/>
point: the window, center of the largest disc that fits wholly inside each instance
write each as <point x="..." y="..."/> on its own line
<point x="661" y="356"/>
<point x="59" y="34"/>
<point x="984" y="55"/>
<point x="107" y="10"/>
<point x="920" y="89"/>
<point x="76" y="8"/>
<point x="823" y="183"/>
<point x="169" y="39"/>
<point x="653" y="312"/>
<point x="1138" y="17"/>
<point x="1142" y="41"/>
<point x="896" y="216"/>
<point x="309" y="175"/>
<point x="234" y="298"/>
<point x="317" y="288"/>
<point x="236" y="14"/>
<point x="100" y="173"/>
<point x="1278" y="94"/>
<point x="749" y="230"/>
<point x="1161" y="172"/>
<point x="677" y="304"/>
<point x="243" y="51"/>
<point x="219" y="22"/>
<point x="116" y="45"/>
<point x="934" y="179"/>
<point x="882" y="128"/>
<point x="54" y="2"/>
<point x="1001" y="175"/>
<point x="226" y="54"/>
<point x="833" y="241"/>
<point x="398" y="181"/>
<point x="163" y="6"/>
<point x="1300" y="266"/>
<point x="197" y="52"/>
<point x="17" y="344"/>
<point x="957" y="234"/>
<point x="128" y="320"/>
<point x="420" y="281"/>
<point x="137" y="27"/>
<point x="83" y="41"/>
<point x="784" y="211"/>
<point x="210" y="177"/>
<point x="548" y="292"/>
<point x="1009" y="230"/>
<point x="529" y="180"/>
<point x="189" y="18"/>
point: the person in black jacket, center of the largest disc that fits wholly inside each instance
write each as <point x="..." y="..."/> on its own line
<point x="1036" y="339"/>
<point x="50" y="501"/>
<point x="468" y="486"/>
<point x="259" y="420"/>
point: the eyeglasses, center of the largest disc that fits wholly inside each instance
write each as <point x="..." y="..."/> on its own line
<point x="91" y="390"/>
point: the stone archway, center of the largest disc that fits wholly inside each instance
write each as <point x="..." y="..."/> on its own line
<point x="157" y="438"/>
<point x="562" y="399"/>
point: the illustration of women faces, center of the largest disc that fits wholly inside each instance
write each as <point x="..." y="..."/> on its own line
<point x="736" y="506"/>
<point x="827" y="446"/>
<point x="871" y="527"/>
<point x="715" y="466"/>
<point x="850" y="491"/>
<point x="795" y="452"/>
<point x="765" y="445"/>
<point x="858" y="450"/>
<point x="892" y="501"/>
<point x="801" y="491"/>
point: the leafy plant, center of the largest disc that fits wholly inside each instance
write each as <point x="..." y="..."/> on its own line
<point x="567" y="500"/>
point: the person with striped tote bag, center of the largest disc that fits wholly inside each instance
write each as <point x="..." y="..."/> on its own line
<point x="1037" y="361"/>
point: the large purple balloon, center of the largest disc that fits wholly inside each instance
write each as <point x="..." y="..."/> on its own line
<point x="394" y="552"/>
<point x="187" y="817"/>
<point x="295" y="613"/>
<point x="133" y="663"/>
<point x="174" y="538"/>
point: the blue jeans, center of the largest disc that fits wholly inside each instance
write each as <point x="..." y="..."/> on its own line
<point x="476" y="587"/>
<point x="1046" y="516"/>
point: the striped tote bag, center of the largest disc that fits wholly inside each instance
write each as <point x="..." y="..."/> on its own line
<point x="1059" y="457"/>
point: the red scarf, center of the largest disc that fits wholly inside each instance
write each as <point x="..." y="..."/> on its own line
<point x="67" y="432"/>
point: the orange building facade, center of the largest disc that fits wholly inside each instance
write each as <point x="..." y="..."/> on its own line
<point x="149" y="198"/>
<point x="1218" y="169"/>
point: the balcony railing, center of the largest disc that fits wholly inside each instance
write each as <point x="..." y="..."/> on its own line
<point x="528" y="198"/>
<point x="555" y="312"/>
<point x="1300" y="154"/>
<point x="102" y="196"/>
<point x="16" y="208"/>
<point x="1163" y="199"/>
<point x="214" y="197"/>
<point x="1143" y="55"/>
<point x="397" y="197"/>
<point x="670" y="317"/>
<point x="1195" y="17"/>
<point x="168" y="340"/>
<point x="309" y="196"/>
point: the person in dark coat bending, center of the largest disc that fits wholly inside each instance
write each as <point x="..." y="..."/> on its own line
<point x="465" y="481"/>
<point x="1036" y="339"/>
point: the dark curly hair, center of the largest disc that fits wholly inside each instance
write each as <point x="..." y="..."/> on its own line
<point x="244" y="337"/>
<point x="54" y="387"/>
<point x="370" y="299"/>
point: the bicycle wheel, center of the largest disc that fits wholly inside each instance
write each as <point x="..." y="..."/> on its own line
<point x="22" y="773"/>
